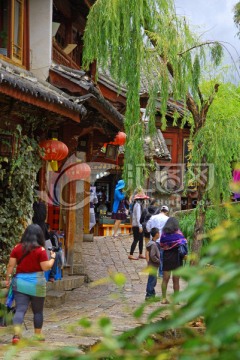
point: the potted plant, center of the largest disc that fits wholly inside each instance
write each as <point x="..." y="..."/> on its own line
<point x="3" y="42"/>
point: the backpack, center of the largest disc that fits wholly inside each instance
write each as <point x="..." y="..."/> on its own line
<point x="183" y="251"/>
<point x="146" y="215"/>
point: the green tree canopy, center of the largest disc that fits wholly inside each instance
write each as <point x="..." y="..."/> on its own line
<point x="145" y="38"/>
<point x="218" y="141"/>
<point x="236" y="17"/>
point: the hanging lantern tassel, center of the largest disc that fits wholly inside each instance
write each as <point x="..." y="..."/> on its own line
<point x="54" y="165"/>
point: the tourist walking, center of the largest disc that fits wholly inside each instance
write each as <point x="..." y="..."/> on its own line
<point x="153" y="260"/>
<point x="93" y="200"/>
<point x="147" y="213"/>
<point x="137" y="226"/>
<point x="39" y="218"/>
<point x="119" y="209"/>
<point x="170" y="241"/>
<point x="159" y="221"/>
<point x="29" y="284"/>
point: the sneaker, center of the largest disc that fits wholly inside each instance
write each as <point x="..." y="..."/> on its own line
<point x="15" y="339"/>
<point x="51" y="280"/>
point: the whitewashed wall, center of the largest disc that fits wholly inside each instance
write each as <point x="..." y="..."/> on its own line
<point x="40" y="23"/>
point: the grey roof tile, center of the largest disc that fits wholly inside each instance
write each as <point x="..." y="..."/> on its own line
<point x="27" y="82"/>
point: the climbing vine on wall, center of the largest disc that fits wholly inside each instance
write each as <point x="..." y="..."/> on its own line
<point x="17" y="184"/>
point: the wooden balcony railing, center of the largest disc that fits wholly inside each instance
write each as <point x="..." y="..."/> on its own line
<point x="59" y="57"/>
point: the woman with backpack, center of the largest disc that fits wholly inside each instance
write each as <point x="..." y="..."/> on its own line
<point x="170" y="241"/>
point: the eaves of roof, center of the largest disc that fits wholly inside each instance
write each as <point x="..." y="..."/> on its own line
<point x="81" y="79"/>
<point x="156" y="147"/>
<point x="23" y="85"/>
<point x="173" y="106"/>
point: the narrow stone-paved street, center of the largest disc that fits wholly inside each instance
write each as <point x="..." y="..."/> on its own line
<point x="93" y="299"/>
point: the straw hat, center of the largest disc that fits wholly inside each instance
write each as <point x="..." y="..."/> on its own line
<point x="141" y="196"/>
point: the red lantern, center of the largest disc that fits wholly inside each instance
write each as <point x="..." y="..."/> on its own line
<point x="78" y="171"/>
<point x="54" y="150"/>
<point x="120" y="138"/>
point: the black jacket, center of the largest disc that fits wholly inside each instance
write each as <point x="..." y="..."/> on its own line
<point x="146" y="215"/>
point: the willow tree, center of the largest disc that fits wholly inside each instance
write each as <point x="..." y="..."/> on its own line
<point x="218" y="143"/>
<point x="236" y="17"/>
<point x="132" y="38"/>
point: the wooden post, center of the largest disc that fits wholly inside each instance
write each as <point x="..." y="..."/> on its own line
<point x="42" y="177"/>
<point x="71" y="223"/>
<point x="86" y="195"/>
<point x="86" y="209"/>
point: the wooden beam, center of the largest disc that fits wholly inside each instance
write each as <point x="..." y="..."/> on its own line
<point x="98" y="102"/>
<point x="88" y="4"/>
<point x="39" y="102"/>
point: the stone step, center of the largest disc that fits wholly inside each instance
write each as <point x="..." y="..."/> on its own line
<point x="57" y="291"/>
<point x="55" y="298"/>
<point x="88" y="238"/>
<point x="67" y="283"/>
<point x="73" y="270"/>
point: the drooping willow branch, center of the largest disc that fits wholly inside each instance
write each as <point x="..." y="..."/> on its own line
<point x="211" y="42"/>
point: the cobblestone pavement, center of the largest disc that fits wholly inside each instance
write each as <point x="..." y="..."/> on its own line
<point x="104" y="256"/>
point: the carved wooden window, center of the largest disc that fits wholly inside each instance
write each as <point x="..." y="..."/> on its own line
<point x="17" y="30"/>
<point x="13" y="30"/>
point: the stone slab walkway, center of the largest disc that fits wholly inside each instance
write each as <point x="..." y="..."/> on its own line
<point x="103" y="257"/>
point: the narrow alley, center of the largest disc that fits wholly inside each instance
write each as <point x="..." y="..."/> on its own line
<point x="94" y="299"/>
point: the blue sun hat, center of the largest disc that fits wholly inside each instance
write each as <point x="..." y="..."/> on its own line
<point x="120" y="185"/>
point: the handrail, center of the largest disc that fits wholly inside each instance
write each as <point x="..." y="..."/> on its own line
<point x="61" y="58"/>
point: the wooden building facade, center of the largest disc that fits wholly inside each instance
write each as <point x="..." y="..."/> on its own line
<point x="41" y="73"/>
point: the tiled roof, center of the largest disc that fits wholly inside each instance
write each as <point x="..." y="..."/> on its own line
<point x="155" y="147"/>
<point x="26" y="82"/>
<point x="172" y="105"/>
<point x="80" y="78"/>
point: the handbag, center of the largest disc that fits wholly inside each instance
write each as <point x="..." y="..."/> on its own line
<point x="182" y="250"/>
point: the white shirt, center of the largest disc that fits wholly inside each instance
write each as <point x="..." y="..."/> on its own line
<point x="136" y="215"/>
<point x="157" y="221"/>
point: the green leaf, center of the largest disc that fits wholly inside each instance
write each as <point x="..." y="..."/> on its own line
<point x="85" y="322"/>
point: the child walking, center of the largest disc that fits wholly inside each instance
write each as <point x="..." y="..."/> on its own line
<point x="153" y="259"/>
